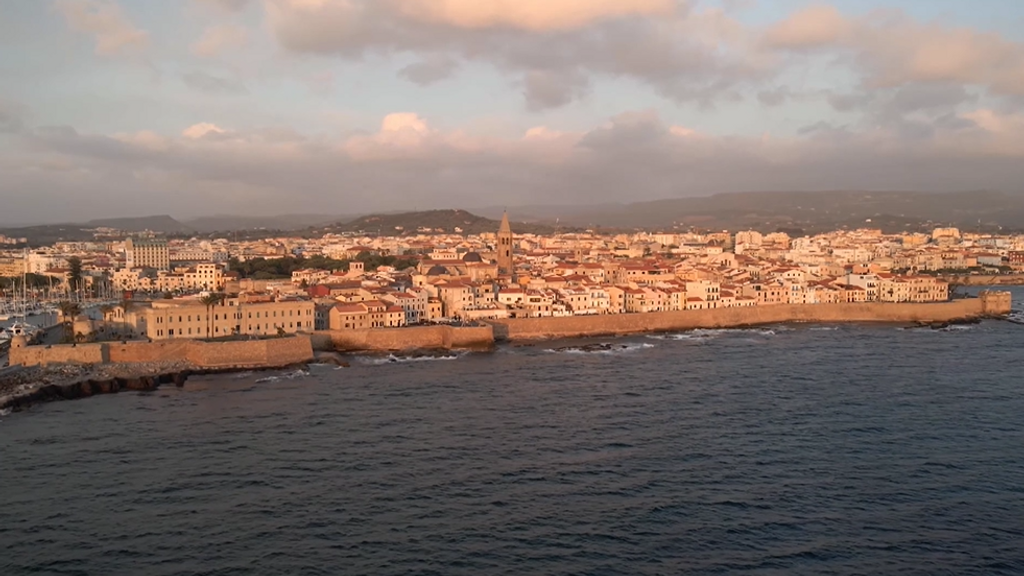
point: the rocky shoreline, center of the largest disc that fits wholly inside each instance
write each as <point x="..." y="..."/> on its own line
<point x="23" y="387"/>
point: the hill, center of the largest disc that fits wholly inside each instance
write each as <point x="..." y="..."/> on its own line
<point x="161" y="224"/>
<point x="228" y="223"/>
<point x="411" y="223"/>
<point x="809" y="212"/>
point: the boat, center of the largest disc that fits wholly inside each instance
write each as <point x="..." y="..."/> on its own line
<point x="19" y="329"/>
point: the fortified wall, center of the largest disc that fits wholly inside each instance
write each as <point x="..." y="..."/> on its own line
<point x="270" y="353"/>
<point x="988" y="304"/>
<point x="403" y="339"/>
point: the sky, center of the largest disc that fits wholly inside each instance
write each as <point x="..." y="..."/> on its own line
<point x="115" y="108"/>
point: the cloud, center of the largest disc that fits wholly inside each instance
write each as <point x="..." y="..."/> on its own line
<point x="432" y="69"/>
<point x="545" y="89"/>
<point x="208" y="83"/>
<point x="217" y="39"/>
<point x="105" y="21"/>
<point x="202" y="130"/>
<point x="687" y="55"/>
<point x="535" y="15"/>
<point x="890" y="49"/>
<point x="817" y="25"/>
<point x="407" y="162"/>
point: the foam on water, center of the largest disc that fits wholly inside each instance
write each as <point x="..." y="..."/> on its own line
<point x="713" y="332"/>
<point x="603" y="348"/>
<point x="396" y="359"/>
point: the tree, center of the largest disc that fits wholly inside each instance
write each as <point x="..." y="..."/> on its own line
<point x="75" y="274"/>
<point x="211" y="300"/>
<point x="68" y="311"/>
<point x="126" y="305"/>
<point x="106" y="309"/>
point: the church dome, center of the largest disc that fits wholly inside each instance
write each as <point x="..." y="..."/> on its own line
<point x="437" y="270"/>
<point x="472" y="257"/>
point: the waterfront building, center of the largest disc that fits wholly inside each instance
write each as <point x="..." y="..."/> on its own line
<point x="147" y="253"/>
<point x="190" y="318"/>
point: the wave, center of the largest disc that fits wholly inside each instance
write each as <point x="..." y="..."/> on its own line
<point x="824" y="328"/>
<point x="395" y="359"/>
<point x="683" y="336"/>
<point x="6" y="412"/>
<point x="285" y="376"/>
<point x="712" y="332"/>
<point x="602" y="348"/>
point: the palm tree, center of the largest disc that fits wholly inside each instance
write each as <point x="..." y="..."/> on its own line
<point x="106" y="309"/>
<point x="68" y="311"/>
<point x="211" y="300"/>
<point x="126" y="305"/>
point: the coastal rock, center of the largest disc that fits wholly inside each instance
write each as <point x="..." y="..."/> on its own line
<point x="602" y="347"/>
<point x="332" y="358"/>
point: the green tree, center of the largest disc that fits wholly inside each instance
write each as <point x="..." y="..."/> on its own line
<point x="210" y="300"/>
<point x="75" y="274"/>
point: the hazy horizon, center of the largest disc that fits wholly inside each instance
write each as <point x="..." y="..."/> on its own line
<point x="111" y="108"/>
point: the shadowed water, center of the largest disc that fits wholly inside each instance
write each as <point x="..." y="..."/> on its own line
<point x="803" y="450"/>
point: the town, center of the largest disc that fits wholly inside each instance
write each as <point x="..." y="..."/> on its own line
<point x="150" y="287"/>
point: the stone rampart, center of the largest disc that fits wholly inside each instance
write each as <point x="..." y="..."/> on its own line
<point x="138" y="352"/>
<point x="989" y="304"/>
<point x="408" y="338"/>
<point x="270" y="353"/>
<point x="59" y="354"/>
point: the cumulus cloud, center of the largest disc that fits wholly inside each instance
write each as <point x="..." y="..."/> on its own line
<point x="891" y="49"/>
<point x="685" y="54"/>
<point x="818" y="25"/>
<point x="217" y="39"/>
<point x="105" y="21"/>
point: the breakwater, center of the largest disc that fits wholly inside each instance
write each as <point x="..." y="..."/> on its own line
<point x="987" y="304"/>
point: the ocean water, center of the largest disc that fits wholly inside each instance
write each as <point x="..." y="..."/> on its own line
<point x="862" y="449"/>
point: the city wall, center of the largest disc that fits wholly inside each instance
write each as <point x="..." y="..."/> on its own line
<point x="407" y="338"/>
<point x="986" y="280"/>
<point x="270" y="353"/>
<point x="989" y="304"/>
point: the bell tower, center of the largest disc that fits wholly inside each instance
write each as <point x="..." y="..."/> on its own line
<point x="505" y="265"/>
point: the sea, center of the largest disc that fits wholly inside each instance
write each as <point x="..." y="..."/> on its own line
<point x="798" y="449"/>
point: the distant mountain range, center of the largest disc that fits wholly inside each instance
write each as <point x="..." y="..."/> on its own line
<point x="797" y="212"/>
<point x="810" y="212"/>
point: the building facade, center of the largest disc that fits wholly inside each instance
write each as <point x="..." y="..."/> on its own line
<point x="147" y="253"/>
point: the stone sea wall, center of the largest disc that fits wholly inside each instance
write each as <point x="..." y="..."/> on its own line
<point x="276" y="352"/>
<point x="403" y="339"/>
<point x="989" y="304"/>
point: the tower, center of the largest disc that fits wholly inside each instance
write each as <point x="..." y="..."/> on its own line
<point x="505" y="265"/>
